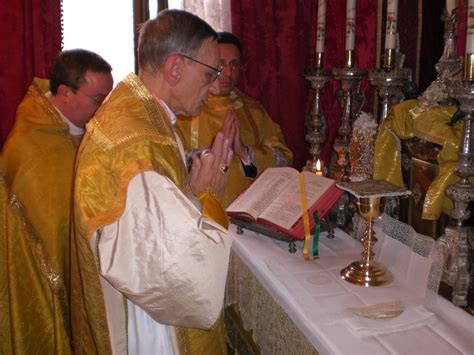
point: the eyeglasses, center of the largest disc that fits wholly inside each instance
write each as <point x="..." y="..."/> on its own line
<point x="217" y="71"/>
<point x="97" y="100"/>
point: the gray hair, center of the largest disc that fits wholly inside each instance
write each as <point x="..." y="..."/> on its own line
<point x="172" y="31"/>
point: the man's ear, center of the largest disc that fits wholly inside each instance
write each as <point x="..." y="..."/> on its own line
<point x="64" y="91"/>
<point x="173" y="68"/>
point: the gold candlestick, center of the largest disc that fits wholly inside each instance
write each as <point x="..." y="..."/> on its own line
<point x="389" y="59"/>
<point x="319" y="60"/>
<point x="367" y="272"/>
<point x="469" y="67"/>
<point x="349" y="58"/>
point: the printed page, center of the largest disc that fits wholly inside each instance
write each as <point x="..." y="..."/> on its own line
<point x="286" y="209"/>
<point x="263" y="191"/>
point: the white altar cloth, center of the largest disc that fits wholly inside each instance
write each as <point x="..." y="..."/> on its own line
<point x="317" y="299"/>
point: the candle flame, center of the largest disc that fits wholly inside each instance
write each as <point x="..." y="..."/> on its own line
<point x="318" y="165"/>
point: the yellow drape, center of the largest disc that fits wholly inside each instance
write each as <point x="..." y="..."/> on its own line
<point x="403" y="122"/>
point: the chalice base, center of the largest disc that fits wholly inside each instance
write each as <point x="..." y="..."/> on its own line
<point x="368" y="275"/>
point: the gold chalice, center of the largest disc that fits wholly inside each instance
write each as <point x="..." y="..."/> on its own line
<point x="367" y="272"/>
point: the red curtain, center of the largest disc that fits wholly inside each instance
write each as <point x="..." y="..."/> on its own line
<point x="278" y="38"/>
<point x="31" y="40"/>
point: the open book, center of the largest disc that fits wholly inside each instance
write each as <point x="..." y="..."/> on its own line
<point x="274" y="199"/>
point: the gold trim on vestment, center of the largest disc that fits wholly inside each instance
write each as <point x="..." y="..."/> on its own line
<point x="195" y="132"/>
<point x="54" y="280"/>
<point x="46" y="105"/>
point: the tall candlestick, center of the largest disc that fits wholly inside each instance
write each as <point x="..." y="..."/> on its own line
<point x="391" y="27"/>
<point x="350" y="24"/>
<point x="450" y="6"/>
<point x="321" y="26"/>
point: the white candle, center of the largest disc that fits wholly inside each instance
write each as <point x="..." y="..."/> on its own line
<point x="470" y="28"/>
<point x="321" y="26"/>
<point x="391" y="27"/>
<point x="450" y="6"/>
<point x="350" y="24"/>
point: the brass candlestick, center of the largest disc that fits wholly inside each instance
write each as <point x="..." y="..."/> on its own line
<point x="367" y="272"/>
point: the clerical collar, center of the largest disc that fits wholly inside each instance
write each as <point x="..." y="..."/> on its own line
<point x="171" y="114"/>
<point x="73" y="129"/>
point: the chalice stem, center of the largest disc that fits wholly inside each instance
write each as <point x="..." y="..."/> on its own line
<point x="368" y="242"/>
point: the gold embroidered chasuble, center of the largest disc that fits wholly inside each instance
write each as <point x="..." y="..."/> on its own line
<point x="256" y="130"/>
<point x="36" y="176"/>
<point x="131" y="133"/>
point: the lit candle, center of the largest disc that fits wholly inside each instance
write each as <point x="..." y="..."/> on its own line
<point x="350" y="24"/>
<point x="319" y="170"/>
<point x="391" y="27"/>
<point x="450" y="6"/>
<point x="321" y="26"/>
<point x="470" y="28"/>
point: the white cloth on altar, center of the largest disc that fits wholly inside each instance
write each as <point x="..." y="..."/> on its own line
<point x="414" y="317"/>
<point x="167" y="259"/>
<point x="317" y="299"/>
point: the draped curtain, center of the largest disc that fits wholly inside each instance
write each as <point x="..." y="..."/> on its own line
<point x="31" y="40"/>
<point x="215" y="12"/>
<point x="278" y="38"/>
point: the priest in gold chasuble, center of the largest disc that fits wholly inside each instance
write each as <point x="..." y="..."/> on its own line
<point x="36" y="179"/>
<point x="258" y="142"/>
<point x="151" y="247"/>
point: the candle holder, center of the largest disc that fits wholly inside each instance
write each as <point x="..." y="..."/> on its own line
<point x="449" y="64"/>
<point x="389" y="59"/>
<point x="447" y="67"/>
<point x="315" y="122"/>
<point x="318" y="61"/>
<point x="462" y="193"/>
<point x="469" y="67"/>
<point x="389" y="84"/>
<point x="349" y="58"/>
<point x="371" y="196"/>
<point x="351" y="100"/>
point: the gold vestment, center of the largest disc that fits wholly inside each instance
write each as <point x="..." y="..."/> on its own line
<point x="406" y="121"/>
<point x="257" y="130"/>
<point x="131" y="133"/>
<point x="36" y="197"/>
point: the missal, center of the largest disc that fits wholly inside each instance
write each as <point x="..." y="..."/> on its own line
<point x="274" y="199"/>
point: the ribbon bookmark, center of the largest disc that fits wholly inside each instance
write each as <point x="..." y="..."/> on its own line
<point x="317" y="230"/>
<point x="304" y="209"/>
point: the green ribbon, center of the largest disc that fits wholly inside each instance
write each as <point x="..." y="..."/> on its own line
<point x="317" y="230"/>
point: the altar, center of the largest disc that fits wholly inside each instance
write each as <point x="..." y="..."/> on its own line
<point x="287" y="305"/>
